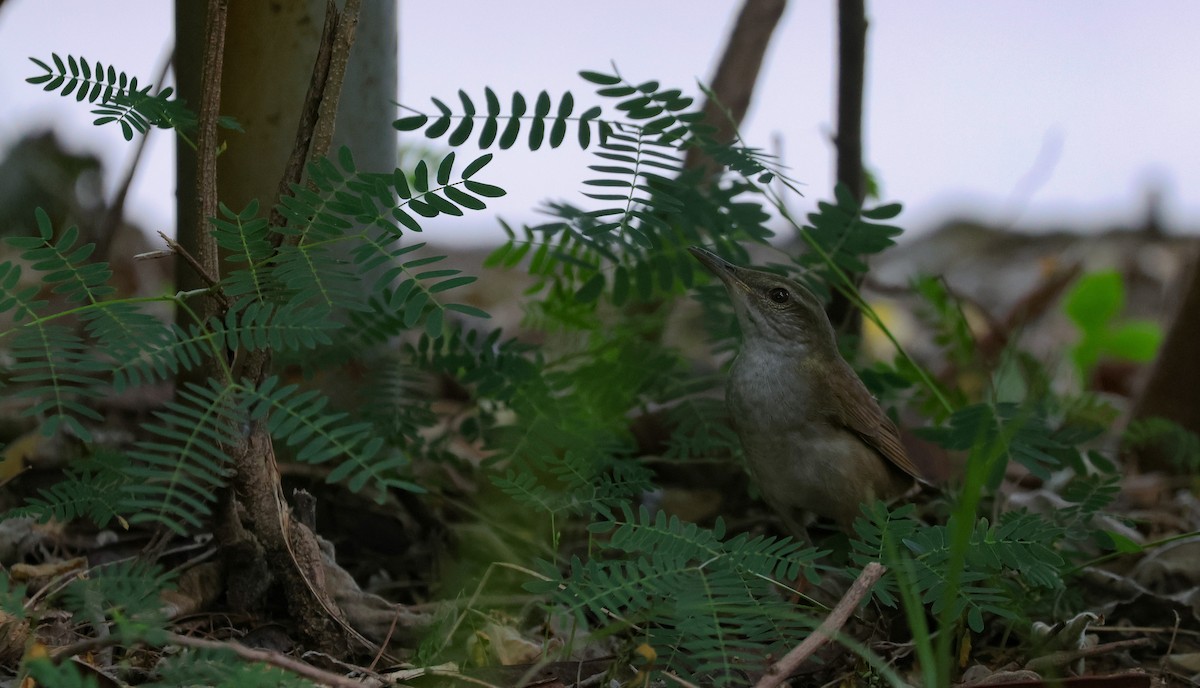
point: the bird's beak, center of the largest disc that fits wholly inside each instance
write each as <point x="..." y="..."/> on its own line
<point x="727" y="272"/>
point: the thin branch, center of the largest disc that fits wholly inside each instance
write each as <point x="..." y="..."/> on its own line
<point x="779" y="671"/>
<point x="343" y="41"/>
<point x="206" y="142"/>
<point x="1065" y="657"/>
<point x="294" y="169"/>
<point x="180" y="251"/>
<point x="275" y="659"/>
<point x="679" y="681"/>
<point x="733" y="84"/>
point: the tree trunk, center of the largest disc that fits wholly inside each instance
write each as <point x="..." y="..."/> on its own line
<point x="1173" y="390"/>
<point x="189" y="65"/>
<point x="737" y="74"/>
<point x="270" y="52"/>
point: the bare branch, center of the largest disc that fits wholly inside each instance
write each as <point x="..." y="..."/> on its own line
<point x="837" y="618"/>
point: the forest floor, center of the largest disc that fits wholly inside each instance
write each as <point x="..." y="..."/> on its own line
<point x="1142" y="628"/>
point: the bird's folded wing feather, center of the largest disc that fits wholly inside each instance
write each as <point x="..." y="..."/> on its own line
<point x="858" y="411"/>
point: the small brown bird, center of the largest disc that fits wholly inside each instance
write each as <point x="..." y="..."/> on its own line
<point x="813" y="436"/>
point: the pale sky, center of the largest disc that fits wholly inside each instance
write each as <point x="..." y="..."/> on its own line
<point x="1020" y="111"/>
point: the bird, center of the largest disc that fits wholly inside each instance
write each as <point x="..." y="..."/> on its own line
<point x="814" y="439"/>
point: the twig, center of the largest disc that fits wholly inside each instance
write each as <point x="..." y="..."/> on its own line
<point x="294" y="169"/>
<point x="275" y="659"/>
<point x="342" y="42"/>
<point x="1064" y="657"/>
<point x="678" y="680"/>
<point x="1173" y="630"/>
<point x="213" y="286"/>
<point x="387" y="639"/>
<point x="1171" y="645"/>
<point x="179" y="250"/>
<point x="779" y="671"/>
<point x="290" y="546"/>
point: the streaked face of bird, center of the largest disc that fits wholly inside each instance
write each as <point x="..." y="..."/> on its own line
<point x="771" y="309"/>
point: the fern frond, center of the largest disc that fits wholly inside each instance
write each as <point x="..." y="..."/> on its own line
<point x="1025" y="431"/>
<point x="63" y="264"/>
<point x="174" y="350"/>
<point x="123" y="331"/>
<point x="540" y="121"/>
<point x="247" y="239"/>
<point x="705" y="604"/>
<point x="403" y="305"/>
<point x="253" y="325"/>
<point x="702" y="430"/>
<point x="1020" y="542"/>
<point x="298" y="419"/>
<point x="1091" y="493"/>
<point x="23" y="301"/>
<point x="845" y="233"/>
<point x="117" y="95"/>
<point x="1177" y="445"/>
<point x="315" y="276"/>
<point x="175" y="475"/>
<point x="593" y="253"/>
<point x="126" y="593"/>
<point x="57" y="373"/>
<point x="525" y="489"/>
<point x="495" y="368"/>
<point x="346" y="199"/>
<point x="90" y="489"/>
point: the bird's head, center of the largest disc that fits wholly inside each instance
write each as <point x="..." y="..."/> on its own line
<point x="771" y="309"/>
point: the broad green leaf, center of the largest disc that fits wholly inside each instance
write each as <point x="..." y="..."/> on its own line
<point x="1135" y="341"/>
<point x="1095" y="300"/>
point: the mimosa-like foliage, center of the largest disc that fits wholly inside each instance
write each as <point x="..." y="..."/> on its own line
<point x="340" y="276"/>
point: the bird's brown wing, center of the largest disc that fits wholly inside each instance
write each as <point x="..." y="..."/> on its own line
<point x="855" y="408"/>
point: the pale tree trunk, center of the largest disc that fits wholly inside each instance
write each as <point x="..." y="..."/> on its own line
<point x="269" y="58"/>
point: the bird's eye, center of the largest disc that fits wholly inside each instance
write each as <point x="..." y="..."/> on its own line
<point x="779" y="295"/>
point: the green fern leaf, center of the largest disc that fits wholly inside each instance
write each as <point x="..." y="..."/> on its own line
<point x="177" y="472"/>
<point x="298" y="419"/>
